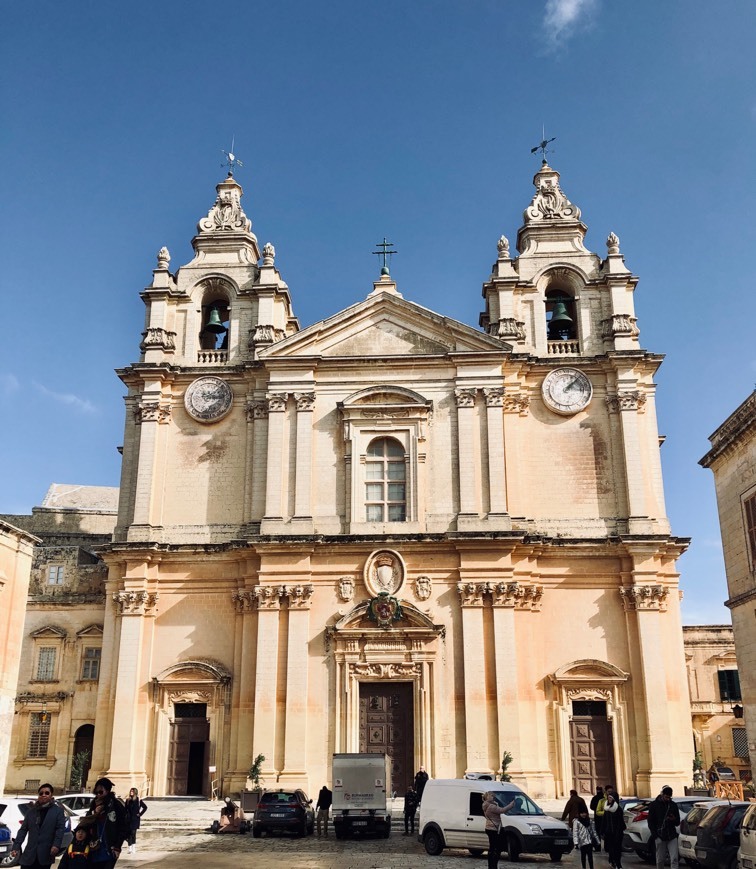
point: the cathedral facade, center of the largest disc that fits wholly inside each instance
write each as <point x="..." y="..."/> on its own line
<point x="390" y="531"/>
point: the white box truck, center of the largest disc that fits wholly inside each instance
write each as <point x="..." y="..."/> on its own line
<point x="361" y="793"/>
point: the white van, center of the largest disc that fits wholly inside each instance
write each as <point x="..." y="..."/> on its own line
<point x="451" y="816"/>
<point x="747" y="852"/>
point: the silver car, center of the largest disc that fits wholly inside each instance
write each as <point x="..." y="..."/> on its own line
<point x="637" y="836"/>
<point x="686" y="843"/>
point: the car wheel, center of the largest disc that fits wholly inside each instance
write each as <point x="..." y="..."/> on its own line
<point x="513" y="849"/>
<point x="303" y="829"/>
<point x="434" y="842"/>
<point x="647" y="856"/>
<point x="689" y="862"/>
<point x="476" y="852"/>
<point x="555" y="856"/>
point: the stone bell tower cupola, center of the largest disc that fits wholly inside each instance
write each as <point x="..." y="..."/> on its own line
<point x="225" y="305"/>
<point x="557" y="298"/>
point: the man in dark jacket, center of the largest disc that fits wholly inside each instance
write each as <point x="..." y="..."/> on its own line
<point x="421" y="778"/>
<point x="410" y="808"/>
<point x="44" y="824"/>
<point x="325" y="800"/>
<point x="663" y="821"/>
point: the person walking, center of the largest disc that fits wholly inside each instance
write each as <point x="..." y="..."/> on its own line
<point x="663" y="821"/>
<point x="135" y="808"/>
<point x="325" y="800"/>
<point x="421" y="778"/>
<point x="585" y="837"/>
<point x="614" y="828"/>
<point x="44" y="825"/>
<point x="106" y="820"/>
<point x="492" y="812"/>
<point x="411" y="803"/>
<point x="597" y="807"/>
<point x="575" y="805"/>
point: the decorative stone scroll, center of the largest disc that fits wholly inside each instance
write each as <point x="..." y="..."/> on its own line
<point x="152" y="411"/>
<point x="386" y="671"/>
<point x="137" y="603"/>
<point x="635" y="400"/>
<point x="156" y="338"/>
<point x="190" y="696"/>
<point x="549" y="202"/>
<point x="620" y="324"/>
<point x="423" y="587"/>
<point x="227" y="214"/>
<point x="644" y="597"/>
<point x="465" y="397"/>
<point x="345" y="586"/>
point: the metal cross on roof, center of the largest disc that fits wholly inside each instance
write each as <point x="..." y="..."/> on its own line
<point x="232" y="161"/>
<point x="542" y="145"/>
<point x="385" y="253"/>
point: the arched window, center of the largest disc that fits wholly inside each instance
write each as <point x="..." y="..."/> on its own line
<point x="215" y="321"/>
<point x="561" y="319"/>
<point x="385" y="486"/>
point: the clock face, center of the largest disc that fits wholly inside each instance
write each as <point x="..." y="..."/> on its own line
<point x="208" y="399"/>
<point x="567" y="390"/>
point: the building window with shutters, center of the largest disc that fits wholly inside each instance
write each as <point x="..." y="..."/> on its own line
<point x="739" y="742"/>
<point x="749" y="508"/>
<point x="39" y="734"/>
<point x="729" y="686"/>
<point x="385" y="481"/>
<point x="90" y="664"/>
<point x="46" y="660"/>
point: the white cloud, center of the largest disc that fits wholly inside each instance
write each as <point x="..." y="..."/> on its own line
<point x="80" y="404"/>
<point x="9" y="383"/>
<point x="563" y="18"/>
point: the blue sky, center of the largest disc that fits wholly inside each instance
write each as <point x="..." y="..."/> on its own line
<point x="408" y="119"/>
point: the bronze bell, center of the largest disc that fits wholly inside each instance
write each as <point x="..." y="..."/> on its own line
<point x="560" y="320"/>
<point x="214" y="323"/>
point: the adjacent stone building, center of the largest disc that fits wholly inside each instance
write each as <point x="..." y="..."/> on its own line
<point x="390" y="531"/>
<point x="732" y="458"/>
<point x="715" y="698"/>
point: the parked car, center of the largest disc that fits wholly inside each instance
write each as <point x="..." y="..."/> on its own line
<point x="284" y="811"/>
<point x="686" y="842"/>
<point x="725" y="773"/>
<point x="451" y="816"/>
<point x="5" y="841"/>
<point x="12" y="813"/>
<point x="78" y="803"/>
<point x="638" y="837"/>
<point x="718" y="835"/>
<point x="747" y="851"/>
<point x="479" y="776"/>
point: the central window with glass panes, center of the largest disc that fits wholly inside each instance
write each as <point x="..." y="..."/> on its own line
<point x="386" y="481"/>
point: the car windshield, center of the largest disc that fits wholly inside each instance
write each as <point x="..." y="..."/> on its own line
<point x="278" y="797"/>
<point x="522" y="805"/>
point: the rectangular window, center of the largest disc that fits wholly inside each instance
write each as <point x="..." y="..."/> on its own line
<point x="90" y="664"/>
<point x="39" y="734"/>
<point x="739" y="742"/>
<point x="729" y="685"/>
<point x="46" y="664"/>
<point x="55" y="574"/>
<point x="750" y="521"/>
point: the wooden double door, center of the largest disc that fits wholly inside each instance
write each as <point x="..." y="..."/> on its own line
<point x="387" y="727"/>
<point x="188" y="772"/>
<point x="592" y="747"/>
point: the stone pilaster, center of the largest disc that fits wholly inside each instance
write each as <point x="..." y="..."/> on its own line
<point x="303" y="468"/>
<point x="244" y="690"/>
<point x="497" y="476"/>
<point x="471" y="595"/>
<point x="274" y="482"/>
<point x="295" y="745"/>
<point x="468" y="503"/>
<point x="628" y="403"/>
<point x="268" y="601"/>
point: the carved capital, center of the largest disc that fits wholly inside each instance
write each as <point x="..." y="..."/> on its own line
<point x="256" y="410"/>
<point x="136" y="603"/>
<point x="268" y="596"/>
<point x="465" y="397"/>
<point x="620" y="324"/>
<point x="494" y="396"/>
<point x="516" y="402"/>
<point x="277" y="401"/>
<point x="300" y="596"/>
<point x="471" y="593"/>
<point x="156" y="338"/>
<point x="509" y="328"/>
<point x="517" y="595"/>
<point x="152" y="411"/>
<point x="630" y="400"/>
<point x="644" y="597"/>
<point x="243" y="600"/>
<point x="305" y="401"/>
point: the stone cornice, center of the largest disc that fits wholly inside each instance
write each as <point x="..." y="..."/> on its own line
<point x="740" y="599"/>
<point x="732" y="431"/>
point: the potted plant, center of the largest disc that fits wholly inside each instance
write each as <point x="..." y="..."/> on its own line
<point x="505" y="761"/>
<point x="251" y="795"/>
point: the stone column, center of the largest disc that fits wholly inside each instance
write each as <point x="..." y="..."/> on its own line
<point x="643" y="605"/>
<point x="303" y="470"/>
<point x="466" y="454"/>
<point x="150" y="415"/>
<point x="296" y="724"/>
<point x="243" y="691"/>
<point x="274" y="482"/>
<point x="268" y="599"/>
<point x="497" y="480"/>
<point x="474" y="679"/>
<point x="127" y="761"/>
<point x="506" y="658"/>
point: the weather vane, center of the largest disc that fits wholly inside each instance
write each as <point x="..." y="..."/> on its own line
<point x="232" y="161"/>
<point x="542" y="145"/>
<point x="384" y="253"/>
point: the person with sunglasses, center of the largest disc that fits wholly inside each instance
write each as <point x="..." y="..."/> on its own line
<point x="108" y="823"/>
<point x="44" y="825"/>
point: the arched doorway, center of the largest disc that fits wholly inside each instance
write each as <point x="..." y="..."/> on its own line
<point x="81" y="760"/>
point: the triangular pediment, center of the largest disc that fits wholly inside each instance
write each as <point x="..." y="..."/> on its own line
<point x="385" y="325"/>
<point x="49" y="632"/>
